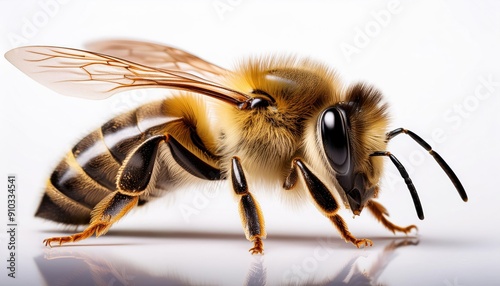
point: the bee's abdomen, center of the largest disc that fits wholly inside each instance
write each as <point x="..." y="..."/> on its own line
<point x="88" y="172"/>
<point x="71" y="193"/>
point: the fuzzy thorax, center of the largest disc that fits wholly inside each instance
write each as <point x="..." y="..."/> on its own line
<point x="266" y="139"/>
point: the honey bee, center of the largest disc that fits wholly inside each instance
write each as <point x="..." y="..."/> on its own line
<point x="286" y="122"/>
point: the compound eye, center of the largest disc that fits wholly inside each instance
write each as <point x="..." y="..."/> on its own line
<point x="335" y="138"/>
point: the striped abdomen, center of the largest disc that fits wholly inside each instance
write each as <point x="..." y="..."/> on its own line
<point x="88" y="172"/>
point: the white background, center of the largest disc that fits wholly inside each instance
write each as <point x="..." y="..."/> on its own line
<point x="429" y="58"/>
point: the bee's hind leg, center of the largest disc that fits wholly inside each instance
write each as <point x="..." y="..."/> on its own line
<point x="133" y="179"/>
<point x="107" y="212"/>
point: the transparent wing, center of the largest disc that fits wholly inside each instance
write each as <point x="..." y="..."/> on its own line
<point x="91" y="75"/>
<point x="155" y="55"/>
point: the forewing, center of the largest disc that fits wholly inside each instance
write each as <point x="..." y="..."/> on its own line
<point x="158" y="56"/>
<point x="92" y="75"/>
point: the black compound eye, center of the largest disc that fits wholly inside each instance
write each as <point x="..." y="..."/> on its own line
<point x="335" y="138"/>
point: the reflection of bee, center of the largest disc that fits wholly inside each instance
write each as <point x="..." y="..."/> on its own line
<point x="278" y="120"/>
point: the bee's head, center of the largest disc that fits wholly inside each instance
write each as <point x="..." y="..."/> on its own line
<point x="348" y="132"/>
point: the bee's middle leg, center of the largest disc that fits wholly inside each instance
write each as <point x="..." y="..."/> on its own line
<point x="133" y="178"/>
<point x="250" y="213"/>
<point x="323" y="199"/>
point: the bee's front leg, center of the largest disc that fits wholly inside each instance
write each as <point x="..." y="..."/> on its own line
<point x="133" y="179"/>
<point x="380" y="213"/>
<point x="251" y="215"/>
<point x="323" y="199"/>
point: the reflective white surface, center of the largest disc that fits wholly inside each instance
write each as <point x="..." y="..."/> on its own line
<point x="131" y="257"/>
<point x="437" y="63"/>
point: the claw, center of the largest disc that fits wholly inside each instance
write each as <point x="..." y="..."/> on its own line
<point x="258" y="246"/>
<point x="60" y="240"/>
<point x="363" y="242"/>
<point x="256" y="250"/>
<point x="98" y="228"/>
<point x="408" y="229"/>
